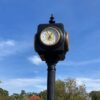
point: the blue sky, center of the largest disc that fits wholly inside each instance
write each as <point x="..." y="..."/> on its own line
<point x="20" y="66"/>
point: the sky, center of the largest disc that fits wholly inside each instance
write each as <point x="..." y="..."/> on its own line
<point x="20" y="66"/>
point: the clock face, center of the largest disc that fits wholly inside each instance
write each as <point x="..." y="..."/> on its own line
<point x="50" y="36"/>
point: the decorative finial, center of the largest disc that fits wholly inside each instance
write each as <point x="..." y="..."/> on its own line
<point x="51" y="21"/>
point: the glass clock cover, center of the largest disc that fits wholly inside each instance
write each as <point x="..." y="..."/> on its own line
<point x="50" y="36"/>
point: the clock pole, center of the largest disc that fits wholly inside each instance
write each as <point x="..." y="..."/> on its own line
<point x="51" y="80"/>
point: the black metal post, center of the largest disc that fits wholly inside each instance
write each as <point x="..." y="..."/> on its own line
<point x="51" y="82"/>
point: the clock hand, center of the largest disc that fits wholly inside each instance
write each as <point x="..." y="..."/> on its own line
<point x="49" y="35"/>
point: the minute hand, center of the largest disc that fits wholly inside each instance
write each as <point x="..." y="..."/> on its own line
<point x="49" y="35"/>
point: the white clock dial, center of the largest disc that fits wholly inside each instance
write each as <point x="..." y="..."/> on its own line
<point x="50" y="36"/>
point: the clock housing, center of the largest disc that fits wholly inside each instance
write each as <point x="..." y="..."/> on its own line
<point x="57" y="49"/>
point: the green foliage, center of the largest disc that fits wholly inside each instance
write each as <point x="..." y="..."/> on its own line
<point x="43" y="95"/>
<point x="68" y="90"/>
<point x="59" y="90"/>
<point x="75" y="91"/>
<point x="95" y="95"/>
<point x="3" y="94"/>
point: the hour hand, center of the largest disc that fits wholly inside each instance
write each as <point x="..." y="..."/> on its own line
<point x="48" y="35"/>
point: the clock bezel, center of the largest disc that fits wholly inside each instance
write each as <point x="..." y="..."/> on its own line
<point x="53" y="28"/>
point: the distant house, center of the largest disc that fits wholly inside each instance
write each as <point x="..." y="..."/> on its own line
<point x="34" y="98"/>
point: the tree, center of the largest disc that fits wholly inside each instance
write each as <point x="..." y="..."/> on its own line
<point x="22" y="95"/>
<point x="15" y="96"/>
<point x="95" y="95"/>
<point x="70" y="86"/>
<point x="75" y="91"/>
<point x="67" y="90"/>
<point x="3" y="94"/>
<point x="43" y="95"/>
<point x="59" y="90"/>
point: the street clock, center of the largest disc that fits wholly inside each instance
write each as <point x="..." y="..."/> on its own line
<point x="51" y="41"/>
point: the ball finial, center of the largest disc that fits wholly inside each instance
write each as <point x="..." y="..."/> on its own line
<point x="51" y="21"/>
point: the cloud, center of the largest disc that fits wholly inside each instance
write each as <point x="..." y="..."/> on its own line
<point x="6" y="47"/>
<point x="91" y="84"/>
<point x="35" y="59"/>
<point x="81" y="63"/>
<point x="7" y="43"/>
<point x="36" y="84"/>
<point x="11" y="47"/>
